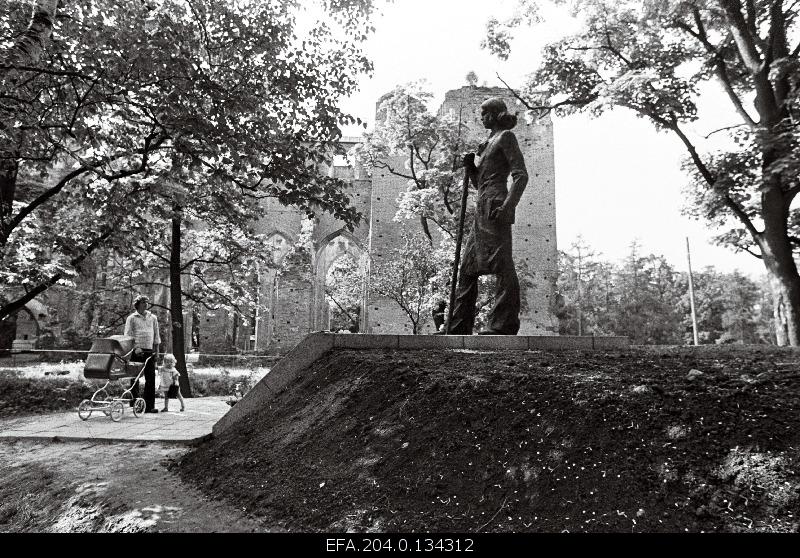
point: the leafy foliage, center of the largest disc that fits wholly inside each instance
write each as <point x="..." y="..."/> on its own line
<point x="647" y="299"/>
<point x="134" y="107"/>
<point x="344" y="289"/>
<point x="408" y="277"/>
<point x="411" y="142"/>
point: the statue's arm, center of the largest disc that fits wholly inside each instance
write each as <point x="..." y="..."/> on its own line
<point x="519" y="173"/>
<point x="510" y="147"/>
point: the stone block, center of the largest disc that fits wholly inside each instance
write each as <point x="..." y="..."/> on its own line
<point x="363" y="341"/>
<point x="611" y="342"/>
<point x="565" y="342"/>
<point x="576" y="342"/>
<point x="496" y="342"/>
<point x="430" y="341"/>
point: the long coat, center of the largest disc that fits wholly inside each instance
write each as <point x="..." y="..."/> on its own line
<point x="497" y="158"/>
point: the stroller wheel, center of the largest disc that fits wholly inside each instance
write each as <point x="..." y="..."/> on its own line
<point x="85" y="409"/>
<point x="138" y="407"/>
<point x="116" y="411"/>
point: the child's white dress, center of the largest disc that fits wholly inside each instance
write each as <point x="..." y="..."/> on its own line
<point x="166" y="378"/>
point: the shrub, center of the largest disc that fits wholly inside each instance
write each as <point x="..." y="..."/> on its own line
<point x="205" y="385"/>
<point x="24" y="396"/>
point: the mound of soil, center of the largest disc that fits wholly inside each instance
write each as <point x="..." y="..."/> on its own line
<point x="650" y="440"/>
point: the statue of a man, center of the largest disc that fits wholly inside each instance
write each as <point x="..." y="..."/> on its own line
<point x="488" y="247"/>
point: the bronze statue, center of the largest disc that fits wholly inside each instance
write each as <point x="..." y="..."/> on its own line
<point x="488" y="247"/>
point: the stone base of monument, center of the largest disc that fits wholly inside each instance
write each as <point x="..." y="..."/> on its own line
<point x="314" y="346"/>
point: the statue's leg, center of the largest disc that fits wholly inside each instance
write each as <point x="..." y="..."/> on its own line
<point x="504" y="315"/>
<point x="466" y="294"/>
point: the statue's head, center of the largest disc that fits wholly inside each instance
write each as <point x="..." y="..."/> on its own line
<point x="495" y="113"/>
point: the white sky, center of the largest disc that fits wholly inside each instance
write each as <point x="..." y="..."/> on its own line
<point x="616" y="178"/>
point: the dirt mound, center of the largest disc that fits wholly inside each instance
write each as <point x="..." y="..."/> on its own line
<point x="641" y="440"/>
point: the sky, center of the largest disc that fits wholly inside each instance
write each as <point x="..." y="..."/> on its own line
<point x="617" y="179"/>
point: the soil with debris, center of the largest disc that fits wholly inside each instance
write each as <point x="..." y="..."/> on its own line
<point x="665" y="439"/>
<point x="78" y="487"/>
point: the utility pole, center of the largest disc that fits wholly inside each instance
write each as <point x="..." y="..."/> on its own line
<point x="691" y="293"/>
<point x="580" y="293"/>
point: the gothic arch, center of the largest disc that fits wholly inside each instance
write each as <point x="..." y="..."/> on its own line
<point x="332" y="247"/>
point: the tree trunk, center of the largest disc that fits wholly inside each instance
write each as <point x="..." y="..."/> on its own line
<point x="8" y="189"/>
<point x="783" y="315"/>
<point x="176" y="302"/>
<point x="26" y="52"/>
<point x="776" y="251"/>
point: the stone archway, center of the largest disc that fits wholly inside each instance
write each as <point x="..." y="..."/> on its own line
<point x="25" y="327"/>
<point x="337" y="245"/>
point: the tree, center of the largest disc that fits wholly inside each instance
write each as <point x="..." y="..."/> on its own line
<point x="411" y="142"/>
<point x="647" y="300"/>
<point x="228" y="98"/>
<point x="578" y="287"/>
<point x="344" y="288"/>
<point x="652" y="57"/>
<point x="408" y="277"/>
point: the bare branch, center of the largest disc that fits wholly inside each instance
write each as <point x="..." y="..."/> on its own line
<point x="723" y="129"/>
<point x="749" y="251"/>
<point x="544" y="109"/>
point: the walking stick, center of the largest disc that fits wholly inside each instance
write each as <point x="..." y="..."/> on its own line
<point x="459" y="238"/>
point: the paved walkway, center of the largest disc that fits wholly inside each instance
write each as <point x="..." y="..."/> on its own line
<point x="192" y="425"/>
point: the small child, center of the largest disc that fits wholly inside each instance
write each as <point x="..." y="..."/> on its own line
<point x="169" y="382"/>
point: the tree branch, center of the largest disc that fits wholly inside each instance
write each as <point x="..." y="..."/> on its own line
<point x="547" y="108"/>
<point x="18" y="304"/>
<point x="723" y="129"/>
<point x="48" y="71"/>
<point x="710" y="179"/>
<point x="720" y="68"/>
<point x="741" y="35"/>
<point x="50" y="192"/>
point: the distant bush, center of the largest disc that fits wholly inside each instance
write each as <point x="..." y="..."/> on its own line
<point x="237" y="361"/>
<point x="206" y="385"/>
<point x="25" y="396"/>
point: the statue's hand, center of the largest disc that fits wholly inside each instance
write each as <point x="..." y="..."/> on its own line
<point x="469" y="161"/>
<point x="504" y="213"/>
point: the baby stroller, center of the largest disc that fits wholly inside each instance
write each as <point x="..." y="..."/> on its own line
<point x="108" y="360"/>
